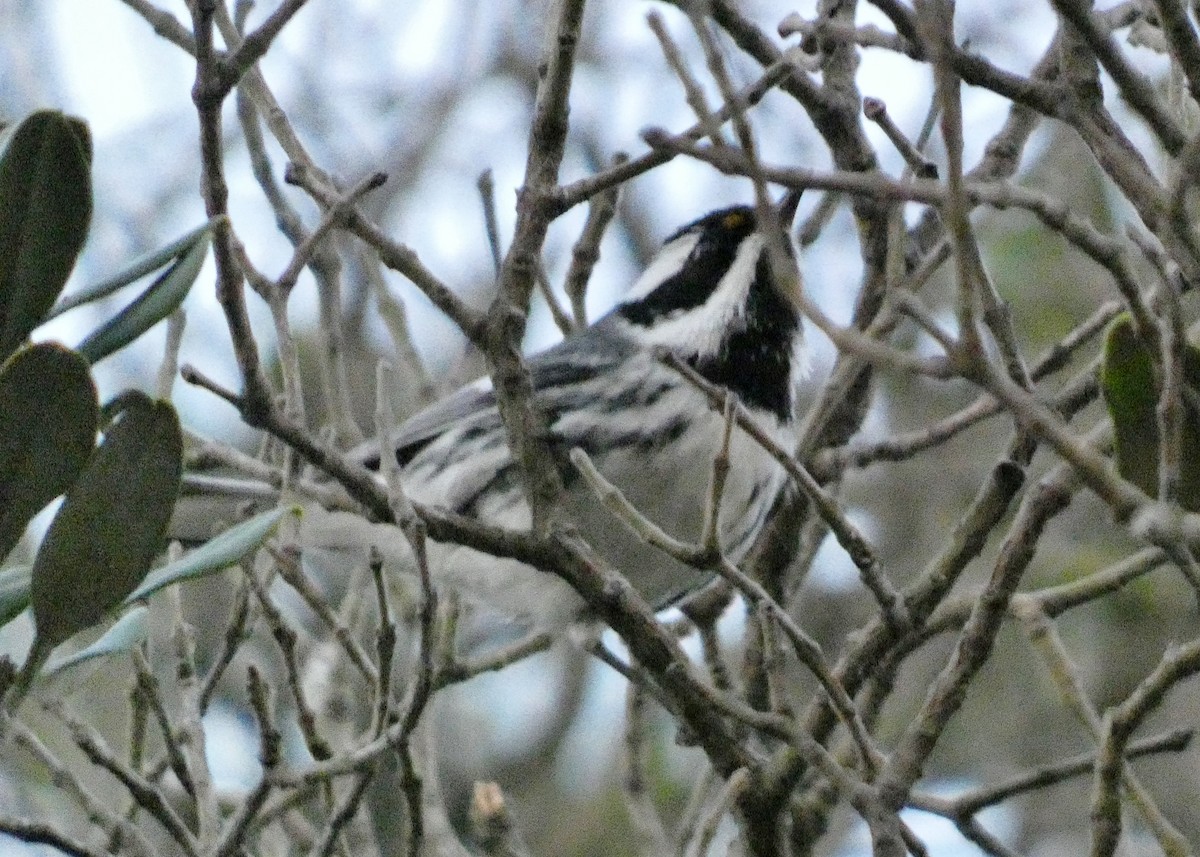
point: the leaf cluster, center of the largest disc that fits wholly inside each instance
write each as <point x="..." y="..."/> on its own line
<point x="116" y="467"/>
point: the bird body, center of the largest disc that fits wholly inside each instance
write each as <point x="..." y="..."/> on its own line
<point x="710" y="297"/>
<point x="720" y="296"/>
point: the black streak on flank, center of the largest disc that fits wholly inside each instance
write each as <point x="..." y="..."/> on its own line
<point x="633" y="396"/>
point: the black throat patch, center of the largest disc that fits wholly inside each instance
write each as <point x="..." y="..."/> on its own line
<point x="755" y="359"/>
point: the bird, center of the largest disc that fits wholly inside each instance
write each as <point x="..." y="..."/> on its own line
<point x="713" y="296"/>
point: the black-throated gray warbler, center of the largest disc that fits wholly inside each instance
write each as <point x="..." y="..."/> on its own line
<point x="712" y="298"/>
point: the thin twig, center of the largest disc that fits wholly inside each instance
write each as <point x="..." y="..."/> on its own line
<point x="486" y="185"/>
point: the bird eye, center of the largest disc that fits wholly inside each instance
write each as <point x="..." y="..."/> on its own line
<point x="734" y="220"/>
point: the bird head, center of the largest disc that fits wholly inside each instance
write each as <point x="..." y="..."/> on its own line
<point x="723" y="294"/>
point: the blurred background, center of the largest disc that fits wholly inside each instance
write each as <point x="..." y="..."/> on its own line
<point x="435" y="92"/>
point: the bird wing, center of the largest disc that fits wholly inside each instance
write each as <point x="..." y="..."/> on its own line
<point x="472" y="406"/>
<point x="554" y="372"/>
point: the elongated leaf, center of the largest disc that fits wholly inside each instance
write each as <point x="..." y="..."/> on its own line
<point x="48" y="414"/>
<point x="45" y="209"/>
<point x="111" y="524"/>
<point x="126" y="633"/>
<point x="14" y="591"/>
<point x="215" y="555"/>
<point x="1127" y="379"/>
<point x="132" y="272"/>
<point x="158" y="301"/>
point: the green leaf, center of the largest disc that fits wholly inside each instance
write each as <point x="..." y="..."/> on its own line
<point x="158" y="301"/>
<point x="1128" y="382"/>
<point x="48" y="416"/>
<point x="14" y="591"/>
<point x="135" y="270"/>
<point x="45" y="208"/>
<point x="111" y="524"/>
<point x="126" y="633"/>
<point x="215" y="555"/>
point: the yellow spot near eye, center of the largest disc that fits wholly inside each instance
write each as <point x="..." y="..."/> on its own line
<point x="734" y="220"/>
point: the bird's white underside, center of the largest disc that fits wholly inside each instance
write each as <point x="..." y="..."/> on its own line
<point x="676" y="490"/>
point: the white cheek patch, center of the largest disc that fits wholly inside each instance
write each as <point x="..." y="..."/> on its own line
<point x="665" y="265"/>
<point x="701" y="329"/>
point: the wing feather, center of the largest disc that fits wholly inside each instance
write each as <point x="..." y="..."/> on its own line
<point x="555" y="372"/>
